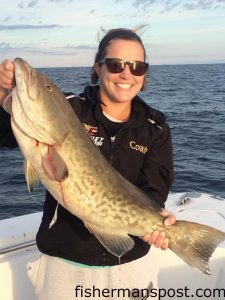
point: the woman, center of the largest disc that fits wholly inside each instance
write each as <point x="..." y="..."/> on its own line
<point x="136" y="141"/>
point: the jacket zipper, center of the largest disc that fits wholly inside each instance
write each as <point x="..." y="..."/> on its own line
<point x="112" y="139"/>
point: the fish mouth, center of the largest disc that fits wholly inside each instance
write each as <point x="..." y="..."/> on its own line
<point x="24" y="93"/>
<point x="21" y="69"/>
<point x="26" y="79"/>
<point x="32" y="107"/>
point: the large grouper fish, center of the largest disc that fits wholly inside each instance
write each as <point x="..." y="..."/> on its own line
<point x="59" y="153"/>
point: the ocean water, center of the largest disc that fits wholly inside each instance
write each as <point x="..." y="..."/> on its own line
<point x="193" y="99"/>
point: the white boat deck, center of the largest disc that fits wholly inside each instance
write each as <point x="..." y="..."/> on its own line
<point x="17" y="246"/>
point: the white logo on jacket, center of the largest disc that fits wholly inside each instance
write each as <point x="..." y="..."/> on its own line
<point x="91" y="130"/>
<point x="98" y="140"/>
<point x="142" y="149"/>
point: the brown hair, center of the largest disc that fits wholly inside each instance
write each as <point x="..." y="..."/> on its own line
<point x="113" y="34"/>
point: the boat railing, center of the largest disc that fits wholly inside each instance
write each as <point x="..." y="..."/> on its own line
<point x="18" y="246"/>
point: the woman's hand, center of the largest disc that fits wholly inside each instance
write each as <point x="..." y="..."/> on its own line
<point x="7" y="78"/>
<point x="157" y="238"/>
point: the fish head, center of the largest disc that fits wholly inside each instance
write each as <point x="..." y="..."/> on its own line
<point x="37" y="103"/>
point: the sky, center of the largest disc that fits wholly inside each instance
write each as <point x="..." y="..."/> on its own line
<point x="65" y="33"/>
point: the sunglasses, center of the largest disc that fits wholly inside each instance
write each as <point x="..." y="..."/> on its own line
<point x="115" y="65"/>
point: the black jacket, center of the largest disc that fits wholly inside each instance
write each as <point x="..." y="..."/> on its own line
<point x="141" y="151"/>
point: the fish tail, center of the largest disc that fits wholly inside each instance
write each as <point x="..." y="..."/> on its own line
<point x="194" y="243"/>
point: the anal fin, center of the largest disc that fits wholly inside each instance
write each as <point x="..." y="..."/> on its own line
<point x="116" y="242"/>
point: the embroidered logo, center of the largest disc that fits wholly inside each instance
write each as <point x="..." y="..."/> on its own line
<point x="90" y="129"/>
<point x="98" y="140"/>
<point x="142" y="149"/>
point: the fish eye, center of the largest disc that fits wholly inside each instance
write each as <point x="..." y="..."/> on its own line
<point x="48" y="87"/>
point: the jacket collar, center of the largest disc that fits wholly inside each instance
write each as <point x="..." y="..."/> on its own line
<point x="140" y="111"/>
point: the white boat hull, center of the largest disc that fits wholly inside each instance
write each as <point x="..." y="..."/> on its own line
<point x="17" y="247"/>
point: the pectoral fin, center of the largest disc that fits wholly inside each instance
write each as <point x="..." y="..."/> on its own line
<point x="116" y="242"/>
<point x="54" y="165"/>
<point x="31" y="176"/>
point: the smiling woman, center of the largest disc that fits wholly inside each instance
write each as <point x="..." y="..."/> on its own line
<point x="135" y="139"/>
<point x="120" y="67"/>
<point x="118" y="89"/>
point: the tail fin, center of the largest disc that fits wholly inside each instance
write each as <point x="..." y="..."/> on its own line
<point x="194" y="243"/>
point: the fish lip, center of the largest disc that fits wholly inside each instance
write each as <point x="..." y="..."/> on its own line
<point x="18" y="60"/>
<point x="22" y="64"/>
<point x="24" y="72"/>
<point x="21" y="67"/>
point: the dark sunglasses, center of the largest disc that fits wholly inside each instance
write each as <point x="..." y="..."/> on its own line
<point x="115" y="65"/>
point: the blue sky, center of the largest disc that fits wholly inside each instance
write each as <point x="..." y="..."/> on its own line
<point x="54" y="33"/>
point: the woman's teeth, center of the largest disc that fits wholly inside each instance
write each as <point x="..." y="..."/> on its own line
<point x="124" y="86"/>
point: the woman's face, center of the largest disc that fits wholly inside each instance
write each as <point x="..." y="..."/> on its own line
<point x="124" y="86"/>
